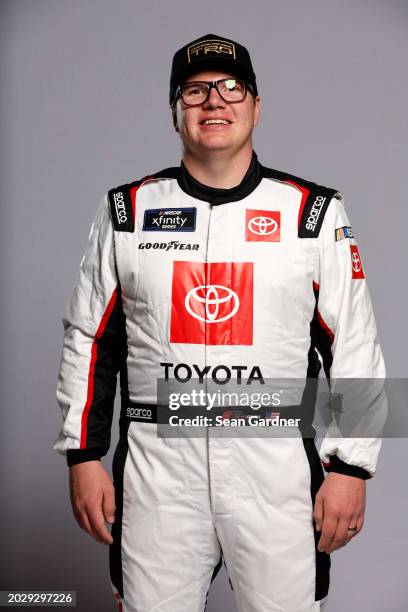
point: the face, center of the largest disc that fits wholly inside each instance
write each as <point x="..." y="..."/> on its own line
<point x="199" y="137"/>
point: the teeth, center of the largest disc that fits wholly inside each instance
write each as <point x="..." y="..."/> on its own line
<point x="211" y="121"/>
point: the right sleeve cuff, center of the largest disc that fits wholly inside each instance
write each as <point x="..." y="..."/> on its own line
<point x="341" y="467"/>
<point x="75" y="456"/>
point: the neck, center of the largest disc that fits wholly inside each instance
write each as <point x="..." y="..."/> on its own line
<point x="218" y="169"/>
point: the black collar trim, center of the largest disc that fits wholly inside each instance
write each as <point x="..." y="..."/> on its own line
<point x="213" y="195"/>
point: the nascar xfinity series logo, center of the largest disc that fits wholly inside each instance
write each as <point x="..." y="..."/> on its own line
<point x="169" y="219"/>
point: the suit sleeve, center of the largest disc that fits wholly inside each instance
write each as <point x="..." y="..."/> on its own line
<point x="346" y="337"/>
<point x="92" y="350"/>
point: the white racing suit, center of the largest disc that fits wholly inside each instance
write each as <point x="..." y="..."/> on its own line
<point x="180" y="279"/>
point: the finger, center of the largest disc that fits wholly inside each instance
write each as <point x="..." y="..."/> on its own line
<point x="356" y="524"/>
<point x="353" y="527"/>
<point x="108" y="505"/>
<point x="85" y="524"/>
<point x="328" y="530"/>
<point x="82" y="520"/>
<point x="97" y="521"/>
<point x="340" y="535"/>
<point x="360" y="522"/>
<point x="318" y="512"/>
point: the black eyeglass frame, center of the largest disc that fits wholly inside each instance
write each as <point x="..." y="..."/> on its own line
<point x="210" y="85"/>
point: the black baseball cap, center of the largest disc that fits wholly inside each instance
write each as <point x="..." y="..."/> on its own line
<point x="211" y="52"/>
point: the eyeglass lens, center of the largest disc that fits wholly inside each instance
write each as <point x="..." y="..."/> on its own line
<point x="230" y="90"/>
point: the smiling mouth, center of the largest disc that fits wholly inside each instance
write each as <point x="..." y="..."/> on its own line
<point x="215" y="122"/>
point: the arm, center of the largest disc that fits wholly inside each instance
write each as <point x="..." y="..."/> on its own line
<point x="344" y="332"/>
<point x="94" y="341"/>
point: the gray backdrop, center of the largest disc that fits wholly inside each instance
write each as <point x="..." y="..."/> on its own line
<point x="84" y="88"/>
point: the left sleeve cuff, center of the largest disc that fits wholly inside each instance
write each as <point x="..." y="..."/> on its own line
<point x="341" y="467"/>
<point x="75" y="456"/>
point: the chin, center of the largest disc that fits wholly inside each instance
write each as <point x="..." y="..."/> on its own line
<point x="217" y="144"/>
<point x="214" y="148"/>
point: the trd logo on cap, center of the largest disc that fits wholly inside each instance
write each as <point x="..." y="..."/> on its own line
<point x="210" y="46"/>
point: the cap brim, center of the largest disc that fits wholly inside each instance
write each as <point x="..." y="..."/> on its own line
<point x="218" y="65"/>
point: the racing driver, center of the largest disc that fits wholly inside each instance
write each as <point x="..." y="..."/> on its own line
<point x="219" y="267"/>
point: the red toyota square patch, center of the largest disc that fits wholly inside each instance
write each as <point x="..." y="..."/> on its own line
<point x="356" y="264"/>
<point x="262" y="225"/>
<point x="212" y="303"/>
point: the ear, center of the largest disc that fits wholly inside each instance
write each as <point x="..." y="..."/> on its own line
<point x="257" y="102"/>
<point x="174" y="116"/>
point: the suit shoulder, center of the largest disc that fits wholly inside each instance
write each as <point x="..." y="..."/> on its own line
<point x="122" y="198"/>
<point x="314" y="202"/>
<point x="287" y="177"/>
<point x="166" y="173"/>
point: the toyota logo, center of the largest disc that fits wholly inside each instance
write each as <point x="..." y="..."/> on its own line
<point x="262" y="225"/>
<point x="356" y="262"/>
<point x="212" y="296"/>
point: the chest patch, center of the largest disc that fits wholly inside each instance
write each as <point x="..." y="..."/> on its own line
<point x="262" y="225"/>
<point x="169" y="220"/>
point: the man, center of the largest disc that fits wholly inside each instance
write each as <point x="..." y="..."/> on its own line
<point x="217" y="266"/>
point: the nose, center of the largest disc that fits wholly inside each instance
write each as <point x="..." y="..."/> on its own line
<point x="214" y="100"/>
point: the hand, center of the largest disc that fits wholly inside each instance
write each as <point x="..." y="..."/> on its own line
<point x="339" y="504"/>
<point x="92" y="498"/>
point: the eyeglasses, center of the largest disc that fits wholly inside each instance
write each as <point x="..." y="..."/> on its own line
<point x="195" y="93"/>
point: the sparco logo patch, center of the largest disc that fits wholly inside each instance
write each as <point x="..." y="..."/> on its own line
<point x="139" y="413"/>
<point x="120" y="207"/>
<point x="167" y="246"/>
<point x="216" y="312"/>
<point x="344" y="232"/>
<point x="262" y="225"/>
<point x="315" y="213"/>
<point x="211" y="45"/>
<point x="169" y="220"/>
